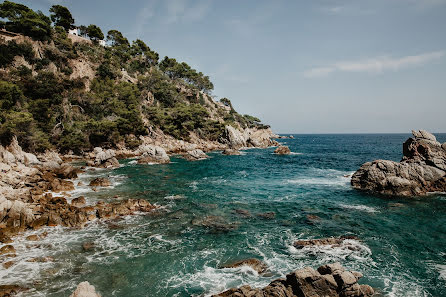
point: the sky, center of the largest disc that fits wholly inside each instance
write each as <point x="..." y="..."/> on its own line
<point x="319" y="66"/>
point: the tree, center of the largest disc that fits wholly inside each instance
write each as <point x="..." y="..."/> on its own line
<point x="95" y="33"/>
<point x="82" y="30"/>
<point x="22" y="19"/>
<point x="117" y="39"/>
<point x="61" y="16"/>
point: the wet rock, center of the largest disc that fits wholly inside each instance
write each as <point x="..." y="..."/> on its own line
<point x="59" y="185"/>
<point x="421" y="170"/>
<point x="267" y="215"/>
<point x="4" y="238"/>
<point x="231" y="152"/>
<point x="8" y="264"/>
<point x="215" y="224"/>
<point x="66" y="171"/>
<point x="32" y="238"/>
<point x="11" y="290"/>
<point x="195" y="155"/>
<point x="243" y="212"/>
<point x="100" y="182"/>
<point x="84" y="289"/>
<point x="255" y="264"/>
<point x="7" y="249"/>
<point x="79" y="201"/>
<point x="88" y="246"/>
<point x="308" y="282"/>
<point x="103" y="158"/>
<point x="282" y="150"/>
<point x="323" y="241"/>
<point x="313" y="218"/>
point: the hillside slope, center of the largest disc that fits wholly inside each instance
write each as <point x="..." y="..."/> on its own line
<point x="69" y="93"/>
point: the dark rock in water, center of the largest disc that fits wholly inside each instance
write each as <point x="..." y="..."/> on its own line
<point x="231" y="152"/>
<point x="195" y="155"/>
<point x="215" y="224"/>
<point x="311" y="219"/>
<point x="88" y="246"/>
<point x="422" y="169"/>
<point x="11" y="290"/>
<point x="282" y="150"/>
<point x="267" y="215"/>
<point x="100" y="182"/>
<point x="328" y="281"/>
<point x="7" y="249"/>
<point x="323" y="241"/>
<point x="255" y="264"/>
<point x="66" y="171"/>
<point x="243" y="212"/>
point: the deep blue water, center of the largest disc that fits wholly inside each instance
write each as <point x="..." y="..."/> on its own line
<point x="401" y="248"/>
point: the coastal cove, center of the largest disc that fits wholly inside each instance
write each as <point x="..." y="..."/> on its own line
<point x="229" y="208"/>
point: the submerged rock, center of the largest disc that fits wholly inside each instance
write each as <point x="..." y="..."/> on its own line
<point x="100" y="182"/>
<point x="255" y="264"/>
<point x="422" y="169"/>
<point x="215" y="224"/>
<point x="282" y="150"/>
<point x="267" y="215"/>
<point x="328" y="281"/>
<point x="11" y="290"/>
<point x="84" y="289"/>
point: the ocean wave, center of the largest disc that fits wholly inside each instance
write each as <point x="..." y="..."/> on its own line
<point x="359" y="207"/>
<point x="441" y="270"/>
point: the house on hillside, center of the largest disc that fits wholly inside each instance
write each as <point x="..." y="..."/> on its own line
<point x="74" y="31"/>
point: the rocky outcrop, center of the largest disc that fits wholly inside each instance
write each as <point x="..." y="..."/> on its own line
<point x="195" y="155"/>
<point x="255" y="264"/>
<point x="421" y="170"/>
<point x="250" y="137"/>
<point x="152" y="154"/>
<point x="103" y="159"/>
<point x="282" y="150"/>
<point x="330" y="280"/>
<point x="100" y="182"/>
<point x="332" y="241"/>
<point x="84" y="289"/>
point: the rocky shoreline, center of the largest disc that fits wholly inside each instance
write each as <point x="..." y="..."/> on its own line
<point x="422" y="169"/>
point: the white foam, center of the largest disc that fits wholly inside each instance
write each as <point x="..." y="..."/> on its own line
<point x="442" y="271"/>
<point x="359" y="207"/>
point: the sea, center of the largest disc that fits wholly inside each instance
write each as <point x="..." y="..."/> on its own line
<point x="212" y="213"/>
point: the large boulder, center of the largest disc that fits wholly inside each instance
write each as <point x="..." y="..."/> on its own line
<point x="330" y="280"/>
<point x="421" y="170"/>
<point x="152" y="154"/>
<point x="195" y="155"/>
<point x="254" y="263"/>
<point x="103" y="158"/>
<point x="282" y="150"/>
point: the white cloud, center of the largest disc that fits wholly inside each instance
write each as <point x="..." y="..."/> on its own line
<point x="375" y="65"/>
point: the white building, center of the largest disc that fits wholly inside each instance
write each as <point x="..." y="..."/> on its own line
<point x="102" y="42"/>
<point x="74" y="31"/>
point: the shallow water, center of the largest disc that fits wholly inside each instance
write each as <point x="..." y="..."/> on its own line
<point x="401" y="250"/>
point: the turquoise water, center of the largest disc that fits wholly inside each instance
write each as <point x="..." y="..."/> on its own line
<point x="401" y="248"/>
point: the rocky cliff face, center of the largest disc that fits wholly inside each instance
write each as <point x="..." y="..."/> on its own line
<point x="330" y="280"/>
<point x="421" y="170"/>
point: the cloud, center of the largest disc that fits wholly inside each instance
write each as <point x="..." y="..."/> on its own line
<point x="375" y="65"/>
<point x="182" y="10"/>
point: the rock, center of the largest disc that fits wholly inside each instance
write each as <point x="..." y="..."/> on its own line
<point x="299" y="244"/>
<point x="267" y="215"/>
<point x="88" y="246"/>
<point x="195" y="155"/>
<point x="79" y="201"/>
<point x="255" y="264"/>
<point x="11" y="290"/>
<point x="6" y="265"/>
<point x="32" y="238"/>
<point x="100" y="182"/>
<point x="152" y="154"/>
<point x="60" y="185"/>
<point x="282" y="150"/>
<point x="421" y="170"/>
<point x="235" y="137"/>
<point x="84" y="289"/>
<point x="308" y="282"/>
<point x="243" y="212"/>
<point x="231" y="152"/>
<point x="103" y="159"/>
<point x="215" y="224"/>
<point x="66" y="171"/>
<point x="7" y="249"/>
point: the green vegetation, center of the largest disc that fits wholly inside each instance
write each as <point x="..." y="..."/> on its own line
<point x="47" y="102"/>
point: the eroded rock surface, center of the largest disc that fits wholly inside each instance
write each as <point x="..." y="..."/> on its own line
<point x="330" y="280"/>
<point x="282" y="150"/>
<point x="421" y="170"/>
<point x="84" y="289"/>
